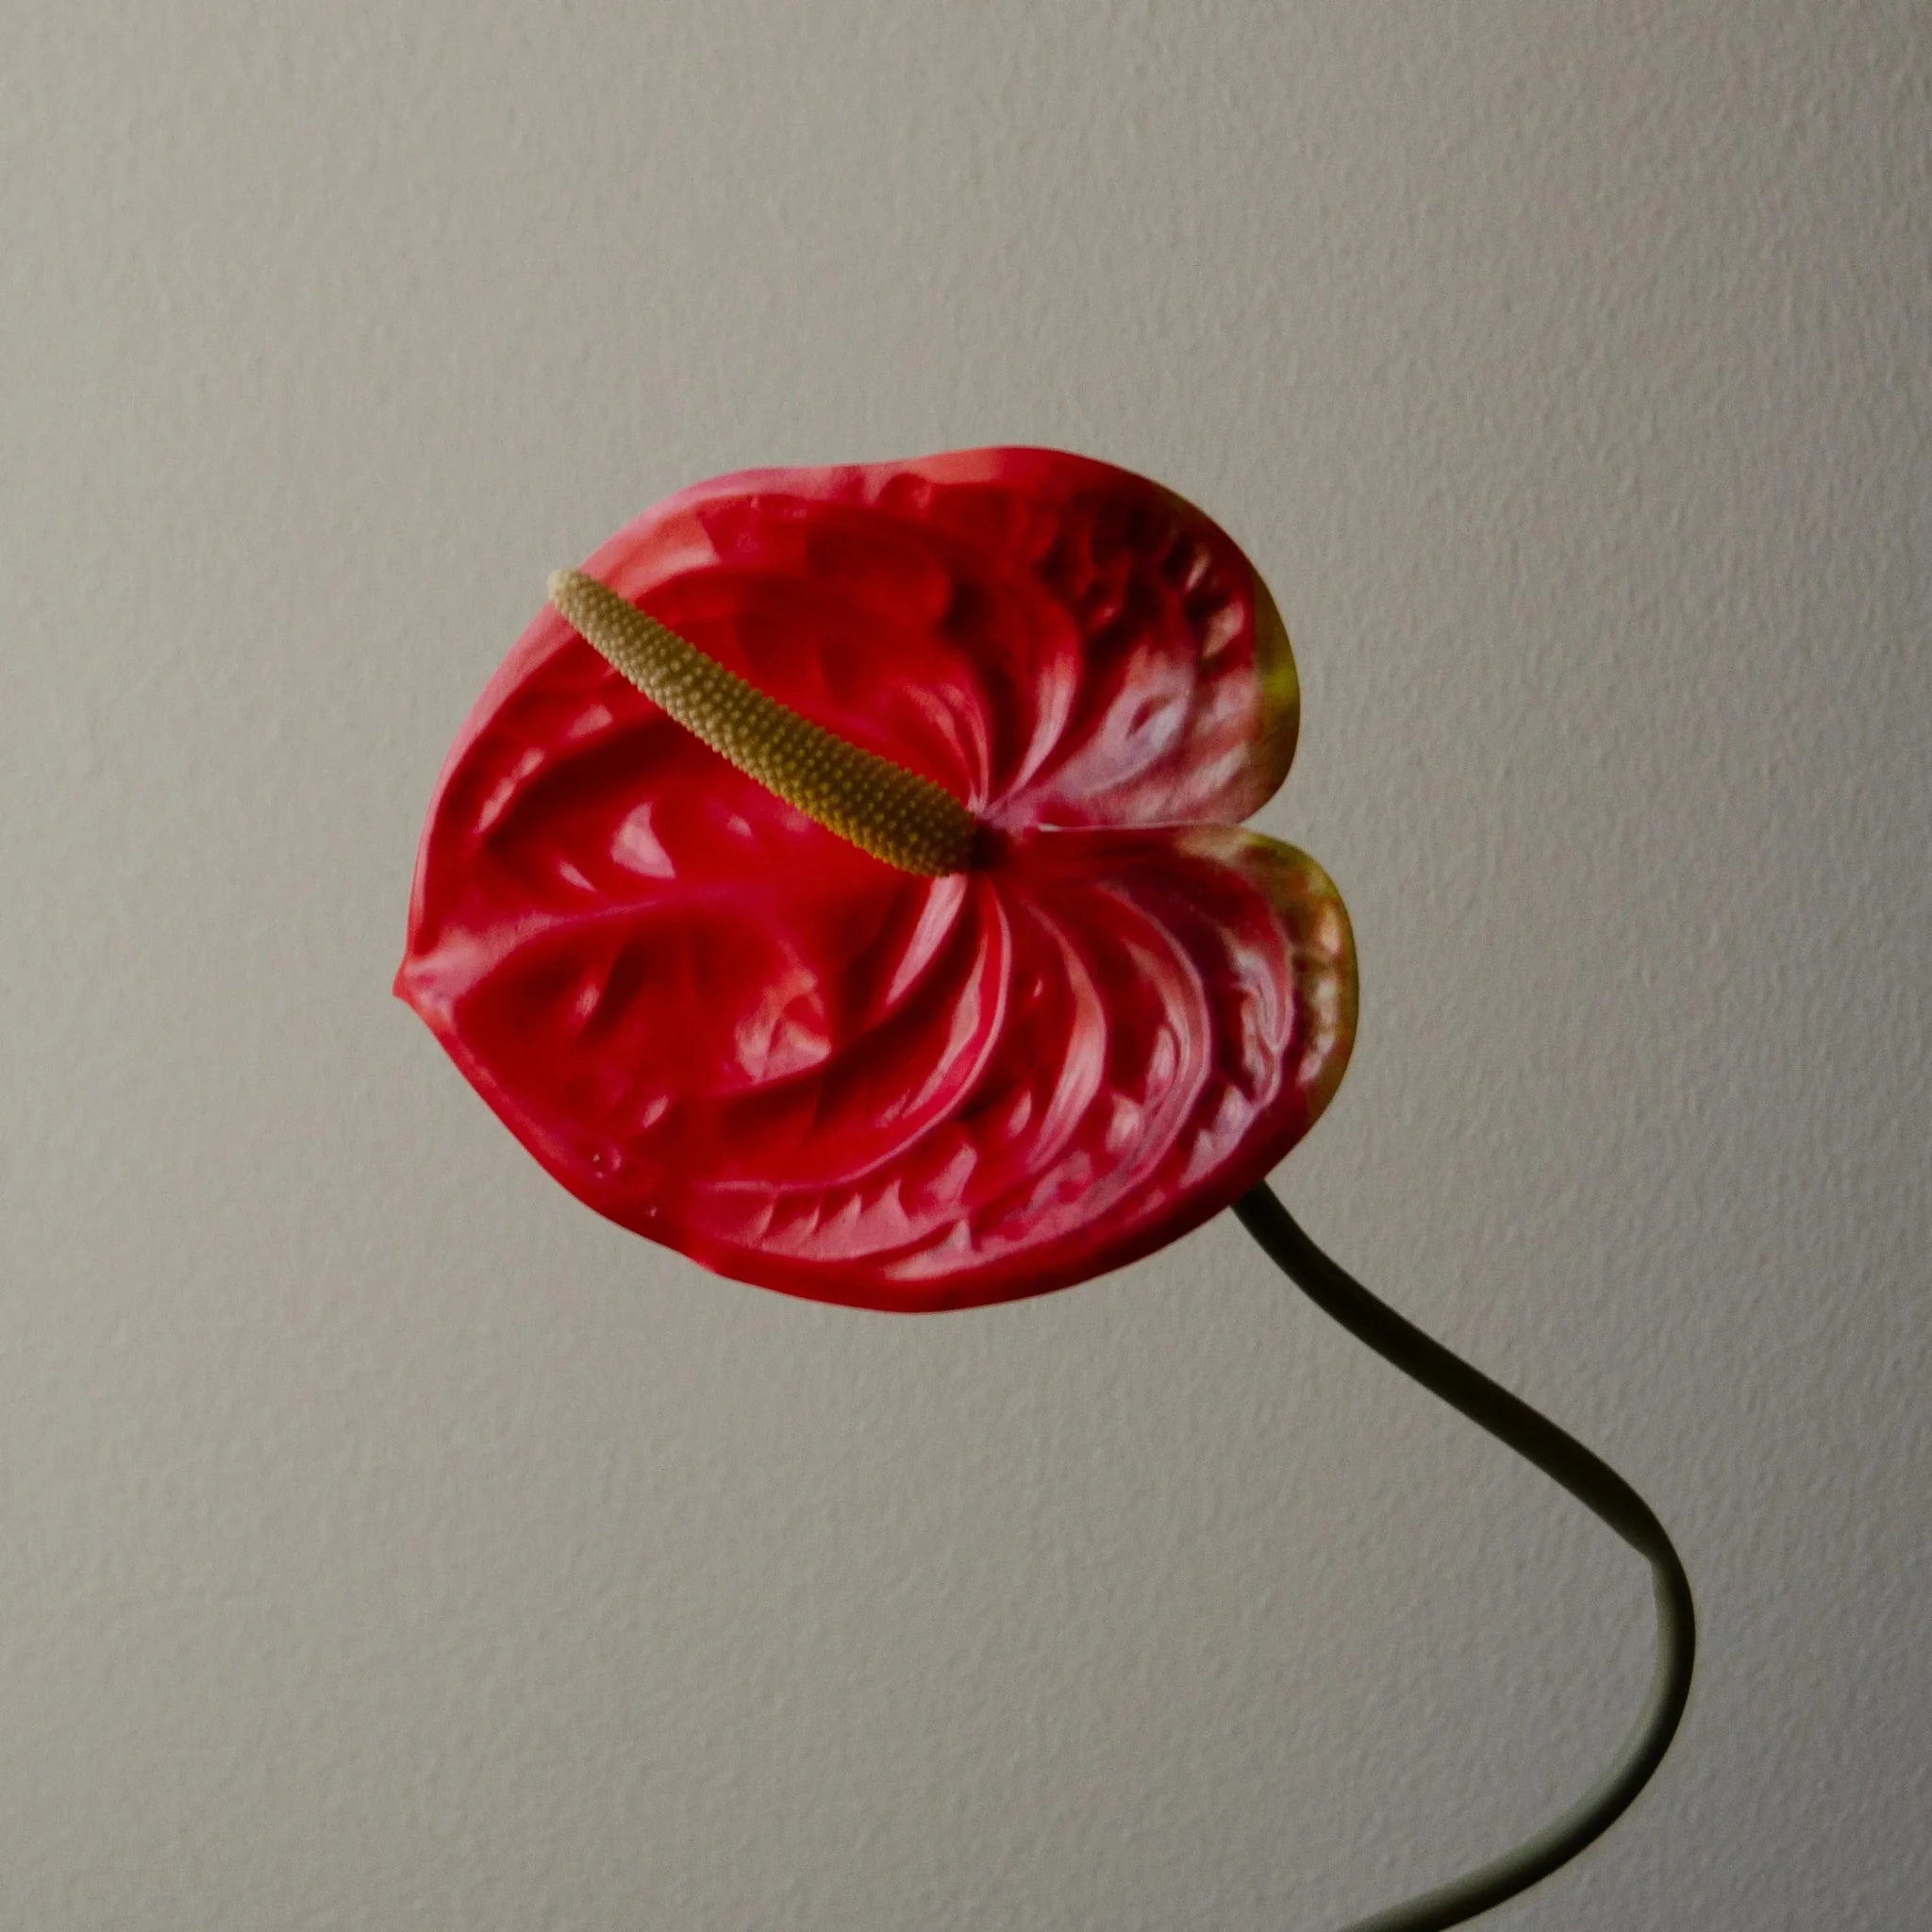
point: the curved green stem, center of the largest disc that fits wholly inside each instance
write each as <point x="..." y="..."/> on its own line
<point x="1591" y="1481"/>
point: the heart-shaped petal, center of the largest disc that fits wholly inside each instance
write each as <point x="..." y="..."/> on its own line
<point x="723" y="1026"/>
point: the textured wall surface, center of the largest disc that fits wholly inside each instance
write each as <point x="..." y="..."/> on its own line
<point x="385" y="1541"/>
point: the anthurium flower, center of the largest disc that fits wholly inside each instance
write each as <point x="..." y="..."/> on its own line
<point x="840" y="881"/>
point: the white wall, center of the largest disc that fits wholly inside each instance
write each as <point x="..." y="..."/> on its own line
<point x="385" y="1541"/>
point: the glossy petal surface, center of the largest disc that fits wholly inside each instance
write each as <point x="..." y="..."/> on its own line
<point x="1054" y="641"/>
<point x="727" y="1028"/>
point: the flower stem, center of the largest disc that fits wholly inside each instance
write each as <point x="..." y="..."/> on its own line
<point x="1591" y="1481"/>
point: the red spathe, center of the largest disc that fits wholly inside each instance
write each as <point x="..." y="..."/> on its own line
<point x="723" y="1026"/>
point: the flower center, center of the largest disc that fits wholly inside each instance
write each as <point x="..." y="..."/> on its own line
<point x="880" y="806"/>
